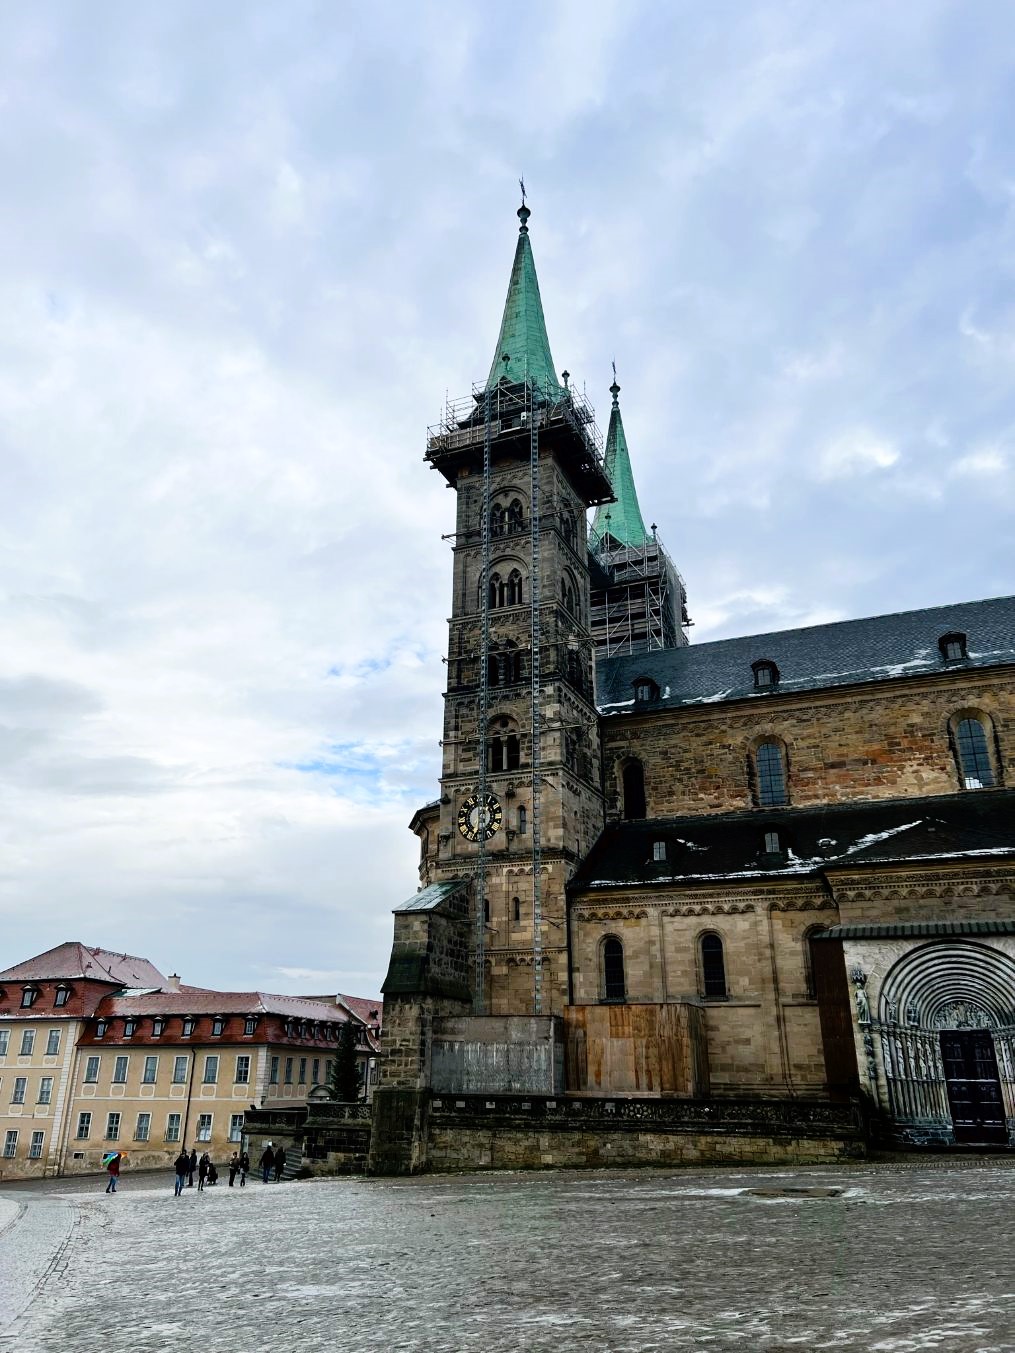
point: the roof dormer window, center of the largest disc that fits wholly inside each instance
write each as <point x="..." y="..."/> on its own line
<point x="188" y="1026"/>
<point x="100" y="1029"/>
<point x="129" y="1025"/>
<point x="29" y="995"/>
<point x="766" y="675"/>
<point x="773" y="846"/>
<point x="953" y="647"/>
<point x="217" y="1025"/>
<point x="658" y="851"/>
<point x="62" y="995"/>
<point x="157" y="1027"/>
<point x="645" y="691"/>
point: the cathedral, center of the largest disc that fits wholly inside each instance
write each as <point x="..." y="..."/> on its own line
<point x="734" y="879"/>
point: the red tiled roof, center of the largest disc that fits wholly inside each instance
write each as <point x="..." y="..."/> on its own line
<point x="369" y="1009"/>
<point x="202" y="1000"/>
<point x="74" y="959"/>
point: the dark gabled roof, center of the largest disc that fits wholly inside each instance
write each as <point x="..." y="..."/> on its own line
<point x="847" y="653"/>
<point x="978" y="824"/>
<point x="74" y="959"/>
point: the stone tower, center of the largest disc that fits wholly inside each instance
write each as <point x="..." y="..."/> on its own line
<point x="521" y="795"/>
<point x="638" y="598"/>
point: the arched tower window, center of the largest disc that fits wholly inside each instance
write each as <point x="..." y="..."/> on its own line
<point x="614" y="985"/>
<point x="973" y="753"/>
<point x="523" y="820"/>
<point x="503" y="746"/>
<point x="514" y="588"/>
<point x="810" y="935"/>
<point x="569" y="594"/>
<point x="770" y="781"/>
<point x="515" y="517"/>
<point x="713" y="966"/>
<point x="633" y="781"/>
<point x="498" y="519"/>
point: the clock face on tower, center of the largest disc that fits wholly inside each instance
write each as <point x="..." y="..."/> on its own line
<point x="479" y="819"/>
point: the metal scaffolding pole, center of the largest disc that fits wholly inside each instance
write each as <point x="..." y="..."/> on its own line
<point x="536" y="712"/>
<point x="479" y="998"/>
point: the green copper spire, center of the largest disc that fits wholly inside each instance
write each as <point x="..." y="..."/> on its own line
<point x="522" y="339"/>
<point x="621" y="520"/>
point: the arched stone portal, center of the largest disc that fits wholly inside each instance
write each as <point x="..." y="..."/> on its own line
<point x="946" y="1020"/>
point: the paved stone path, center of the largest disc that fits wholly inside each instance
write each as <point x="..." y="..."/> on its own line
<point x="893" y="1259"/>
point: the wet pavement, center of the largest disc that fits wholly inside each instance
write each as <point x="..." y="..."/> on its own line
<point x="890" y="1258"/>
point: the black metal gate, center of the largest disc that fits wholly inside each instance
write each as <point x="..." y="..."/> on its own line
<point x="974" y="1086"/>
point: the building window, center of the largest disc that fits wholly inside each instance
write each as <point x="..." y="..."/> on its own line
<point x="35" y="1148"/>
<point x="84" y="1126"/>
<point x="974" y="755"/>
<point x="100" y="1029"/>
<point x="62" y="996"/>
<point x="658" y="851"/>
<point x="180" y="1065"/>
<point x="46" y="1090"/>
<point x="211" y="1070"/>
<point x="772" y="844"/>
<point x="144" y="1126"/>
<point x="273" y="1072"/>
<point x="713" y="967"/>
<point x="204" y="1122"/>
<point x="516" y="903"/>
<point x="633" y="779"/>
<point x="173" y="1127"/>
<point x="242" y="1070"/>
<point x="250" y="1024"/>
<point x="5" y="1041"/>
<point x="614" y="986"/>
<point x="157" y="1027"/>
<point x="771" y="775"/>
<point x="188" y="1026"/>
<point x="288" y="1071"/>
<point x="236" y="1127"/>
<point x="568" y="595"/>
<point x="303" y="1071"/>
<point x="315" y="1072"/>
<point x="503" y="748"/>
<point x="27" y="1042"/>
<point x="129" y="1025"/>
<point x="953" y="647"/>
<point x="112" y="1127"/>
<point x="766" y="675"/>
<point x="523" y="821"/>
<point x="151" y="1071"/>
<point x="20" y="1087"/>
<point x="217" y="1025"/>
<point x="91" y="1070"/>
<point x="645" y="691"/>
<point x="11" y="1144"/>
<point x="506" y="591"/>
<point x="28" y="997"/>
<point x="120" y="1071"/>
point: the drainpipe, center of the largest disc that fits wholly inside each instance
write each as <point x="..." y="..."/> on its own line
<point x="190" y="1091"/>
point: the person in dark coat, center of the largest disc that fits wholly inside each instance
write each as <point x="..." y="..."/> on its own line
<point x="182" y="1167"/>
<point x="213" y="1174"/>
<point x="202" y="1171"/>
<point x="113" y="1170"/>
<point x="266" y="1162"/>
<point x="234" y="1166"/>
<point x="193" y="1167"/>
<point x="244" y="1168"/>
<point x="279" y="1163"/>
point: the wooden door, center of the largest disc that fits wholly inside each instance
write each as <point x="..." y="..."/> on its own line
<point x="974" y="1087"/>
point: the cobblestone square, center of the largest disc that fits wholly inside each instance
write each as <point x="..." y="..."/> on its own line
<point x="892" y="1258"/>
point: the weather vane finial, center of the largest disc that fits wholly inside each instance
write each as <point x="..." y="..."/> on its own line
<point x="521" y="184"/>
<point x="614" y="388"/>
<point x="523" y="211"/>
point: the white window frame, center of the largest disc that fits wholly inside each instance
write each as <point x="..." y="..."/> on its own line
<point x="20" y="1090"/>
<point x="35" y="1145"/>
<point x="180" y="1062"/>
<point x="236" y="1127"/>
<point x="138" y="1137"/>
<point x="151" y="1063"/>
<point x="27" y="1042"/>
<point x="111" y="1135"/>
<point x="5" y="1041"/>
<point x="242" y="1064"/>
<point x="11" y="1144"/>
<point x="122" y="1061"/>
<point x="92" y="1064"/>
<point x="53" y="1043"/>
<point x="211" y="1069"/>
<point x="84" y="1121"/>
<point x="205" y="1123"/>
<point x="173" y="1127"/>
<point x="45" y="1090"/>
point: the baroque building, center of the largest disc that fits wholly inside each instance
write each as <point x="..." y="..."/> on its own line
<point x="100" y="1051"/>
<point x="763" y="870"/>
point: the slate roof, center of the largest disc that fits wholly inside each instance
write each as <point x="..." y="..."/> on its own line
<point x="73" y="959"/>
<point x="847" y="653"/>
<point x="899" y="930"/>
<point x="977" y="824"/>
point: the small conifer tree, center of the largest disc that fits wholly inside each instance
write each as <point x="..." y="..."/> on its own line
<point x="345" y="1082"/>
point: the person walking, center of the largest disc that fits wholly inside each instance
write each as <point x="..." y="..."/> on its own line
<point x="279" y="1163"/>
<point x="113" y="1170"/>
<point x="182" y="1167"/>
<point x="266" y="1162"/>
<point x="234" y="1165"/>
<point x="192" y="1167"/>
<point x="244" y="1168"/>
<point x="202" y="1171"/>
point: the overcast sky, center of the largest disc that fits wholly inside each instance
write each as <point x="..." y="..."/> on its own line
<point x="247" y="248"/>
